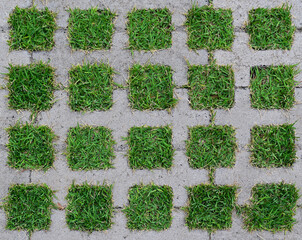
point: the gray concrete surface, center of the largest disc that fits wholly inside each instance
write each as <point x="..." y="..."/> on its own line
<point x="120" y="118"/>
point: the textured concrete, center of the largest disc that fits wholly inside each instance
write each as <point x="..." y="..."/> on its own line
<point x="120" y="118"/>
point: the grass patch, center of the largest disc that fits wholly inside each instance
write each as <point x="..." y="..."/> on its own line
<point x="31" y="87"/>
<point x="151" y="87"/>
<point x="90" y="208"/>
<point x="28" y="207"/>
<point x="90" y="29"/>
<point x="150" y="29"/>
<point x="273" y="87"/>
<point x="211" y="86"/>
<point x="210" y="207"/>
<point x="91" y="87"/>
<point x="210" y="28"/>
<point x="273" y="146"/>
<point x="272" y="207"/>
<point x="30" y="147"/>
<point x="270" y="28"/>
<point x="211" y="146"/>
<point x="150" y="207"/>
<point x="31" y="29"/>
<point x="150" y="147"/>
<point x="90" y="148"/>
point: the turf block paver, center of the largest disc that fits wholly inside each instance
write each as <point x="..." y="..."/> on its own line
<point x="215" y="39"/>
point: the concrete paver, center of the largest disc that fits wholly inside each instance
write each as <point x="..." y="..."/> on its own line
<point x="121" y="118"/>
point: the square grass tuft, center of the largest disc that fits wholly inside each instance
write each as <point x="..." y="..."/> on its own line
<point x="150" y="207"/>
<point x="210" y="207"/>
<point x="210" y="28"/>
<point x="30" y="147"/>
<point x="211" y="146"/>
<point x="150" y="147"/>
<point x="150" y="29"/>
<point x="273" y="87"/>
<point x="211" y="86"/>
<point x="90" y="208"/>
<point x="28" y="207"/>
<point x="90" y="29"/>
<point x="32" y="29"/>
<point x="90" y="148"/>
<point x="31" y="87"/>
<point x="151" y="87"/>
<point x="91" y="87"/>
<point x="273" y="146"/>
<point x="272" y="207"/>
<point x="270" y="28"/>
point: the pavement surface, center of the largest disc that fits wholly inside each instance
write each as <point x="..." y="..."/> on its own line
<point x="120" y="118"/>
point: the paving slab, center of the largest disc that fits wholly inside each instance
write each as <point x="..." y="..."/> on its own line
<point x="120" y="118"/>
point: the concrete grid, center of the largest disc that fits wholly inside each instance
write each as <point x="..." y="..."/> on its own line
<point x="121" y="118"/>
